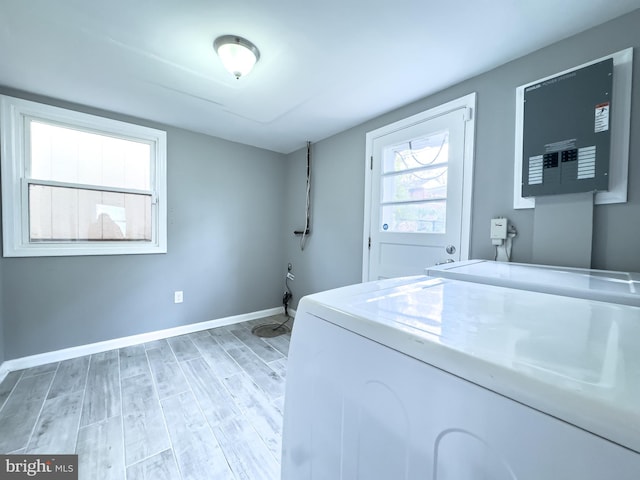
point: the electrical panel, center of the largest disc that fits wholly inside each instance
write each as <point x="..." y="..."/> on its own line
<point x="566" y="132"/>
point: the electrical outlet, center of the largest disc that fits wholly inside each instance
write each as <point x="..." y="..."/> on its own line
<point x="498" y="230"/>
<point x="178" y="296"/>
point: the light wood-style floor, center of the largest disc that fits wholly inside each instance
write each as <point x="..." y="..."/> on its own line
<point x="207" y="405"/>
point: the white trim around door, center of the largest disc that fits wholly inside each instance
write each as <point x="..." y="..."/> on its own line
<point x="468" y="103"/>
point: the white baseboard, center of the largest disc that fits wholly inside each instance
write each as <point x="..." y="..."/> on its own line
<point x="73" y="352"/>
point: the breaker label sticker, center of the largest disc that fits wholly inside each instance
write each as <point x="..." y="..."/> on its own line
<point x="602" y="117"/>
<point x="535" y="170"/>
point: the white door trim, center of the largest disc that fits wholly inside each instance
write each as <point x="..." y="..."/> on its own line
<point x="468" y="102"/>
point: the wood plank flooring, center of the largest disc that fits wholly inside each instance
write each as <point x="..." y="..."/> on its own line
<point x="207" y="405"/>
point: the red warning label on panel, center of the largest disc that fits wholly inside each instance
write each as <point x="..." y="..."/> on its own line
<point x="602" y="117"/>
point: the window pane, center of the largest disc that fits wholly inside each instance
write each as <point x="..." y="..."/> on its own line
<point x="71" y="214"/>
<point x="418" y="185"/>
<point x="428" y="217"/>
<point x="66" y="155"/>
<point x="420" y="152"/>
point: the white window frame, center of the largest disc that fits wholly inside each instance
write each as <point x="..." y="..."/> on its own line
<point x="14" y="115"/>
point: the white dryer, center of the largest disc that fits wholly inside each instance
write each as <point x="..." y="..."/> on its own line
<point x="605" y="285"/>
<point x="426" y="378"/>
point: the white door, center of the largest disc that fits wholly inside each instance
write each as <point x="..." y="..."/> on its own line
<point x="419" y="206"/>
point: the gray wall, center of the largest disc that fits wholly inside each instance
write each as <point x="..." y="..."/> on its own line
<point x="334" y="254"/>
<point x="225" y="251"/>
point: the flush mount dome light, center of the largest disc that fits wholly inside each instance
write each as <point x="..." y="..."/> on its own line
<point x="238" y="55"/>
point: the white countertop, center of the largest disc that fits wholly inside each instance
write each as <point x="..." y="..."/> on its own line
<point x="574" y="359"/>
<point x="608" y="286"/>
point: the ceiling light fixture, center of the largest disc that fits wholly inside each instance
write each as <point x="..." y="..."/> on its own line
<point x="238" y="55"/>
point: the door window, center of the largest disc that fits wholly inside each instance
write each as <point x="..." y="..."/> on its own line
<point x="414" y="185"/>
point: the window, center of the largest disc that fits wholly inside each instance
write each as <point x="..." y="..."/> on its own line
<point x="77" y="184"/>
<point x="414" y="185"/>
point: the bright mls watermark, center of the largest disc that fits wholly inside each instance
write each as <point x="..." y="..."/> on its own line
<point x="51" y="467"/>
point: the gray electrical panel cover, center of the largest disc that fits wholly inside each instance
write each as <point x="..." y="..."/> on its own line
<point x="566" y="132"/>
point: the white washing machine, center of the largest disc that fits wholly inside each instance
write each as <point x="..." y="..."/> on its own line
<point x="608" y="286"/>
<point x="427" y="378"/>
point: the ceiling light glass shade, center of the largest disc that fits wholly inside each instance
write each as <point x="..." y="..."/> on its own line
<point x="237" y="54"/>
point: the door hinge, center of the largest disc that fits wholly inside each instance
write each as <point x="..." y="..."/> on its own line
<point x="468" y="114"/>
<point x="369" y="243"/>
<point x="371" y="163"/>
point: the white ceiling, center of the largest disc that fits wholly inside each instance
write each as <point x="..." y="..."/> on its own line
<point x="325" y="66"/>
